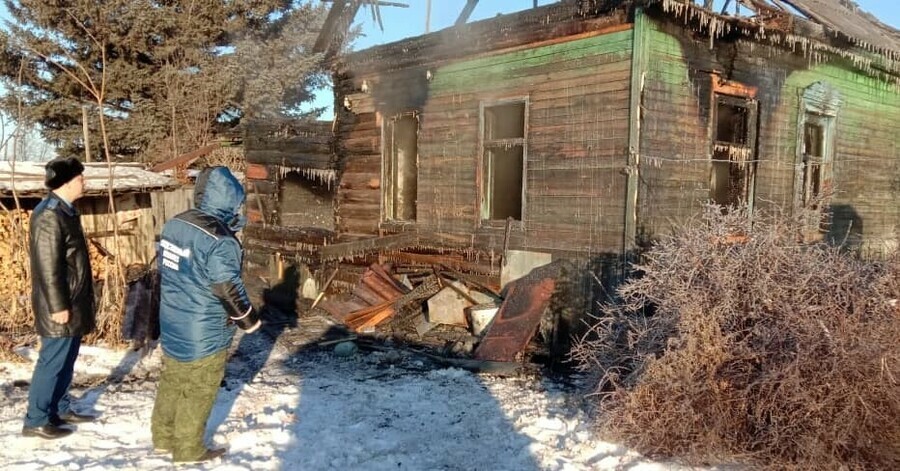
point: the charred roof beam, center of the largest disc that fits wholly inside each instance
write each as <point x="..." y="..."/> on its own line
<point x="466" y="12"/>
<point x="337" y="15"/>
<point x="340" y="17"/>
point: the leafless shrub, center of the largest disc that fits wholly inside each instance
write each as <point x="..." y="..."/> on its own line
<point x="9" y="344"/>
<point x="737" y="341"/>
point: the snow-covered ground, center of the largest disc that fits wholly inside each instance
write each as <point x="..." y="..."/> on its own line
<point x="286" y="408"/>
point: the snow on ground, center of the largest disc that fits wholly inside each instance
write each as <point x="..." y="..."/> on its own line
<point x="287" y="409"/>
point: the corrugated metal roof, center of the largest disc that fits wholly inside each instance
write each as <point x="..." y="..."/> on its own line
<point x="29" y="178"/>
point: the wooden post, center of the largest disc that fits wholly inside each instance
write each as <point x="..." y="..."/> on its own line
<point x="324" y="288"/>
<point x="638" y="66"/>
<point x="86" y="132"/>
<point x="280" y="264"/>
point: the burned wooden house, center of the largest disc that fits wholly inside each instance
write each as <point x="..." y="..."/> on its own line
<point x="577" y="129"/>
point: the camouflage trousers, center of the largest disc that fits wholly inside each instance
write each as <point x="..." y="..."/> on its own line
<point x="184" y="400"/>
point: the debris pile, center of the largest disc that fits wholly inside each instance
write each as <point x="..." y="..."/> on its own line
<point x="446" y="310"/>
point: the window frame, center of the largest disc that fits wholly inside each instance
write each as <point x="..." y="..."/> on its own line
<point x="734" y="94"/>
<point x="484" y="203"/>
<point x="388" y="168"/>
<point x="807" y="159"/>
<point x="819" y="103"/>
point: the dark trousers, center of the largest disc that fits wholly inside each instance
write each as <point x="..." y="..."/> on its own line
<point x="184" y="400"/>
<point x="47" y="396"/>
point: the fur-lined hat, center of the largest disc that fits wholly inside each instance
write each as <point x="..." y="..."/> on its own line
<point x="60" y="170"/>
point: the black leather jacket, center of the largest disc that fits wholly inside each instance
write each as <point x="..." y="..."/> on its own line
<point x="60" y="270"/>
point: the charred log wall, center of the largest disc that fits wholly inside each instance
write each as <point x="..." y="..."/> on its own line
<point x="291" y="167"/>
<point x="577" y="95"/>
<point x="576" y="90"/>
<point x="676" y="133"/>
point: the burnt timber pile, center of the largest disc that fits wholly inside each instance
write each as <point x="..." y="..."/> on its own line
<point x="579" y="132"/>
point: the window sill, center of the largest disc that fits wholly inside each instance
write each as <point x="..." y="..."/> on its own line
<point x="396" y="227"/>
<point x="500" y="224"/>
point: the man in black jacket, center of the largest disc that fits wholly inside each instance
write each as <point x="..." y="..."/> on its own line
<point x="62" y="297"/>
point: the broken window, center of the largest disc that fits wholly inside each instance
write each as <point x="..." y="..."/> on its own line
<point x="401" y="167"/>
<point x="815" y="150"/>
<point x="305" y="199"/>
<point x="503" y="160"/>
<point x="733" y="153"/>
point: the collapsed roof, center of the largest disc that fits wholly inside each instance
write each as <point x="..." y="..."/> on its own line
<point x="837" y="18"/>
<point x="838" y="22"/>
<point x="845" y="17"/>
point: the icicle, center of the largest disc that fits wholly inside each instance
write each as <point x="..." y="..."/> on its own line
<point x="816" y="52"/>
<point x="328" y="177"/>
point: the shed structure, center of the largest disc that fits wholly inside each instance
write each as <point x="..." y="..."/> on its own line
<point x="136" y="216"/>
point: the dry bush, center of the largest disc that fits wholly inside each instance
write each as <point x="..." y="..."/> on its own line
<point x="735" y="341"/>
<point x="231" y="157"/>
<point x="9" y="344"/>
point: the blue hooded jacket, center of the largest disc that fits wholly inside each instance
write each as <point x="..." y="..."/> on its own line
<point x="202" y="295"/>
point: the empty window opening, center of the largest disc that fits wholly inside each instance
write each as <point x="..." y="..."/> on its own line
<point x="816" y="133"/>
<point x="504" y="121"/>
<point x="401" y="167"/>
<point x="813" y="160"/>
<point x="503" y="161"/>
<point x="733" y="155"/>
<point x="731" y="122"/>
<point x="305" y="202"/>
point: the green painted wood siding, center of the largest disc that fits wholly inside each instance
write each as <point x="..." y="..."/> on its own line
<point x="577" y="137"/>
<point x="675" y="138"/>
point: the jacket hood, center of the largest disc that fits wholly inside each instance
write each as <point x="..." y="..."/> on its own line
<point x="218" y="193"/>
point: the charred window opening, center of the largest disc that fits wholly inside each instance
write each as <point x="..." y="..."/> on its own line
<point x="732" y="122"/>
<point x="401" y="167"/>
<point x="305" y="201"/>
<point x="733" y="153"/>
<point x="503" y="161"/>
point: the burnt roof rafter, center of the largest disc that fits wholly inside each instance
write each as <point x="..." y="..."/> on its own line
<point x="838" y="17"/>
<point x="466" y="12"/>
<point x="340" y="17"/>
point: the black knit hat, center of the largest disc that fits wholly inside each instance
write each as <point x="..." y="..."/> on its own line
<point x="60" y="170"/>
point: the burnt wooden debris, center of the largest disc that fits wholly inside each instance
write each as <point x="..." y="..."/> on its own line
<point x="517" y="320"/>
<point x="578" y="131"/>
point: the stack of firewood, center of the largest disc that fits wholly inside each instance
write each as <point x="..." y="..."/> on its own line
<point x="14" y="282"/>
<point x="98" y="260"/>
<point x="13" y="251"/>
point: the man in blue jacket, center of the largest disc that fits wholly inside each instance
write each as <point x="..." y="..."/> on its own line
<point x="202" y="299"/>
